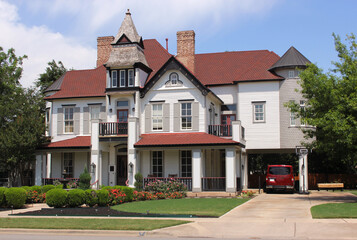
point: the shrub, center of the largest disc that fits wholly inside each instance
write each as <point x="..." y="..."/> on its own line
<point x="56" y="198"/>
<point x="58" y="186"/>
<point x="36" y="188"/>
<point x="166" y="187"/>
<point x="143" y="196"/>
<point x="35" y="197"/>
<point x="47" y="188"/>
<point x="116" y="196"/>
<point x="2" y="196"/>
<point x="27" y="188"/>
<point x="15" y="197"/>
<point x="76" y="198"/>
<point x="84" y="179"/>
<point x="138" y="181"/>
<point x="72" y="184"/>
<point x="56" y="182"/>
<point x="91" y="197"/>
<point x="103" y="197"/>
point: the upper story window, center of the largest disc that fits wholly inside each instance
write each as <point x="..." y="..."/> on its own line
<point x="68" y="119"/>
<point x="174" y="78"/>
<point x="94" y="112"/>
<point x="291" y="74"/>
<point x="174" y="81"/>
<point x="47" y="117"/>
<point x="186" y="116"/>
<point x="157" y="117"/>
<point x="292" y="119"/>
<point x="131" y="77"/>
<point x="258" y="111"/>
<point x="122" y="78"/>
<point x="302" y="107"/>
<point x="229" y="107"/>
<point x="115" y="78"/>
<point x="122" y="103"/>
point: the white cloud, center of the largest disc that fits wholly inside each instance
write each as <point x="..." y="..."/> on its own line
<point x="41" y="45"/>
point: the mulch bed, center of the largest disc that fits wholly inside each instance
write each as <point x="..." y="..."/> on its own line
<point x="95" y="211"/>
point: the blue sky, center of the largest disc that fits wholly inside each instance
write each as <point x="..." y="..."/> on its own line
<point x="67" y="30"/>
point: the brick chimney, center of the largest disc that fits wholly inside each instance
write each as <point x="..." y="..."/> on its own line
<point x="104" y="48"/>
<point x="186" y="49"/>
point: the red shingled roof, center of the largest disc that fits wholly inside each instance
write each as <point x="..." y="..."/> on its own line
<point x="77" y="142"/>
<point x="230" y="67"/>
<point x="156" y="55"/>
<point x="181" y="139"/>
<point x="82" y="83"/>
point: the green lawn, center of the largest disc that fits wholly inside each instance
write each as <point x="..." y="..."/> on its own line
<point x="214" y="207"/>
<point x="352" y="191"/>
<point x="335" y="210"/>
<point x="85" y="223"/>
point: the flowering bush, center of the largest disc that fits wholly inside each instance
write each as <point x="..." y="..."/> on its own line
<point x="72" y="184"/>
<point x="116" y="196"/>
<point x="246" y="193"/>
<point x="142" y="196"/>
<point x="32" y="196"/>
<point x="166" y="187"/>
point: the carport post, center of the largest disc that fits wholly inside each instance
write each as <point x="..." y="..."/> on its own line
<point x="303" y="171"/>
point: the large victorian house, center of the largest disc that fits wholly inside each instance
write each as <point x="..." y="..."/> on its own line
<point x="193" y="117"/>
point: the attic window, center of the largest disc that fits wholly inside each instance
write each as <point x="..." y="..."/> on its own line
<point x="174" y="80"/>
<point x="291" y="74"/>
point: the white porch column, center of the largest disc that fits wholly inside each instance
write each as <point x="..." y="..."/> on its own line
<point x="303" y="173"/>
<point x="38" y="170"/>
<point x="132" y="158"/>
<point x="95" y="153"/>
<point x="244" y="172"/>
<point x="196" y="170"/>
<point x="231" y="179"/>
<point x="49" y="165"/>
<point x="112" y="166"/>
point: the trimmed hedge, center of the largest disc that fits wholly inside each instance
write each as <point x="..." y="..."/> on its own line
<point x="47" y="188"/>
<point x="91" y="197"/>
<point x="15" y="197"/>
<point x="76" y="198"/>
<point x="2" y="196"/>
<point x="103" y="197"/>
<point x="36" y="188"/>
<point x="56" y="198"/>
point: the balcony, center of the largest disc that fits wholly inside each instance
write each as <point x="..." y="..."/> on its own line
<point x="113" y="129"/>
<point x="220" y="130"/>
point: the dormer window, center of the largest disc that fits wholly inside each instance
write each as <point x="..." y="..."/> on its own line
<point x="114" y="78"/>
<point x="173" y="78"/>
<point x="131" y="78"/>
<point x="122" y="78"/>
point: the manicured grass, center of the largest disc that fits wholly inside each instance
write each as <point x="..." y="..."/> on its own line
<point x="87" y="224"/>
<point x="352" y="191"/>
<point x="214" y="207"/>
<point x="335" y="210"/>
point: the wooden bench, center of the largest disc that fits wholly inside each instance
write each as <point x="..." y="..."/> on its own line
<point x="328" y="186"/>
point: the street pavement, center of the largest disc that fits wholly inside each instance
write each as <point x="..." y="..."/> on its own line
<point x="267" y="216"/>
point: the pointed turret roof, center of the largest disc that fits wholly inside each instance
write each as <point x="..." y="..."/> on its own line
<point x="128" y="29"/>
<point x="292" y="58"/>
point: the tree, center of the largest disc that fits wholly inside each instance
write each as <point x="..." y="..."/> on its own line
<point x="331" y="107"/>
<point x="21" y="119"/>
<point x="53" y="72"/>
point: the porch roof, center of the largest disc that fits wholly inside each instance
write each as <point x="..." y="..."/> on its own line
<point x="182" y="139"/>
<point x="77" y="142"/>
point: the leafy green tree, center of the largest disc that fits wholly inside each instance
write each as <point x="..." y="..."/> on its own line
<point x="53" y="72"/>
<point x="331" y="107"/>
<point x="21" y="119"/>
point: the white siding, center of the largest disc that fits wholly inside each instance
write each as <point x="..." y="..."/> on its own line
<point x="80" y="161"/>
<point x="171" y="162"/>
<point x="260" y="135"/>
<point x="228" y="94"/>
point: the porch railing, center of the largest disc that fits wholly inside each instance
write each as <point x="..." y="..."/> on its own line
<point x="185" y="180"/>
<point x="213" y="183"/>
<point x="113" y="128"/>
<point x="220" y="130"/>
<point x="47" y="181"/>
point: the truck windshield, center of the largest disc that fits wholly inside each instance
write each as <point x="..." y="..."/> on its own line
<point x="279" y="170"/>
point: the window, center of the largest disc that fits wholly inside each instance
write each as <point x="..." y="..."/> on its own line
<point x="302" y="107"/>
<point x="94" y="112"/>
<point x="67" y="165"/>
<point x="157" y="117"/>
<point x="186" y="116"/>
<point x="292" y="119"/>
<point x="122" y="78"/>
<point x="131" y="77"/>
<point x="259" y="112"/>
<point x="122" y="103"/>
<point x="115" y="78"/>
<point x="229" y="107"/>
<point x="186" y="164"/>
<point x="47" y="117"/>
<point x="291" y="74"/>
<point x="173" y="78"/>
<point x="157" y="163"/>
<point x="68" y="119"/>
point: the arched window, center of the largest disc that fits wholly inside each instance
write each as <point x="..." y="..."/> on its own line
<point x="174" y="78"/>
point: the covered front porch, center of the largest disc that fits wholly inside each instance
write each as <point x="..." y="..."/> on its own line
<point x="201" y="161"/>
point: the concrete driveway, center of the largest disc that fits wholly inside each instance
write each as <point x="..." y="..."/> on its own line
<point x="274" y="216"/>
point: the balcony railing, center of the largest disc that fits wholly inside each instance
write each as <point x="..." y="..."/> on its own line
<point x="220" y="130"/>
<point x="113" y="128"/>
<point x="185" y="180"/>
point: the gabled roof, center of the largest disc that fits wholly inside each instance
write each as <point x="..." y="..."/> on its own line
<point x="81" y="83"/>
<point x="128" y="28"/>
<point x="182" y="139"/>
<point x="292" y="58"/>
<point x="77" y="142"/>
<point x="232" y="67"/>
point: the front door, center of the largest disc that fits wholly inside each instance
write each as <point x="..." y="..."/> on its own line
<point x="122" y="169"/>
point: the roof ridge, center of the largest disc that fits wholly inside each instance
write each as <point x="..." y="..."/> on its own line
<point x="263" y="50"/>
